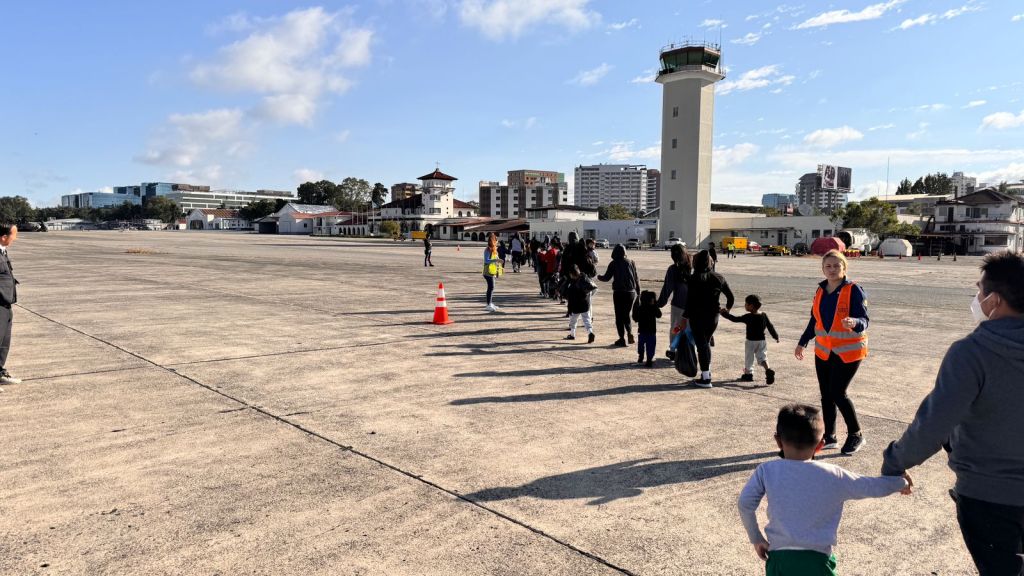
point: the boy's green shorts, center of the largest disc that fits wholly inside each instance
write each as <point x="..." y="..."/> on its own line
<point x="800" y="563"/>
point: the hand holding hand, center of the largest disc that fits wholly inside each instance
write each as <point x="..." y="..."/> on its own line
<point x="761" y="548"/>
<point x="909" y="489"/>
<point x="799" y="352"/>
<point x="849" y="323"/>
<point x="776" y="340"/>
<point x="723" y="310"/>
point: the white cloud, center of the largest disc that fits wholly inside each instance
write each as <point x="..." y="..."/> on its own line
<point x="1017" y="18"/>
<point x="526" y="124"/>
<point x="343" y="136"/>
<point x="726" y="156"/>
<point x="919" y="21"/>
<point x="844" y="16"/>
<point x="530" y="122"/>
<point x="831" y="137"/>
<point x="921" y="132"/>
<point x="713" y="23"/>
<point x="975" y="103"/>
<point x="303" y="175"/>
<point x="881" y="127"/>
<point x="933" y="18"/>
<point x="631" y="23"/>
<point x="501" y="19"/>
<point x="1013" y="172"/>
<point x="749" y="40"/>
<point x="875" y="188"/>
<point x="591" y="77"/>
<point x="508" y="123"/>
<point x="932" y="107"/>
<point x="1003" y="120"/>
<point x="758" y="78"/>
<point x="877" y="158"/>
<point x="647" y="77"/>
<point x="597" y="143"/>
<point x="186" y="137"/>
<point x="624" y="152"/>
<point x="293" y="60"/>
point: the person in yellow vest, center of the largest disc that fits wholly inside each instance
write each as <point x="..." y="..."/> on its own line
<point x="492" y="269"/>
<point x="838" y="326"/>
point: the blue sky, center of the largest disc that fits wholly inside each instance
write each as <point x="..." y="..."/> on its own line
<point x="267" y="94"/>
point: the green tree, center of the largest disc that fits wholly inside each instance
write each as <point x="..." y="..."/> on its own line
<point x="16" y="210"/>
<point x="160" y="207"/>
<point x="768" y="211"/>
<point x="351" y="194"/>
<point x="279" y="203"/>
<point x="1003" y="187"/>
<point x="904" y="187"/>
<point x="918" y="187"/>
<point x="257" y="209"/>
<point x="126" y="211"/>
<point x="389" y="228"/>
<point x="379" y="194"/>
<point x="875" y="215"/>
<point x="614" y="212"/>
<point x="318" y="193"/>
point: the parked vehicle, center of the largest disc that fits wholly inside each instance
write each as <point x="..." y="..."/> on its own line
<point x="668" y="244"/>
<point x="738" y="243"/>
<point x="602" y="243"/>
<point x="753" y="246"/>
<point x="775" y="251"/>
<point x="634" y="244"/>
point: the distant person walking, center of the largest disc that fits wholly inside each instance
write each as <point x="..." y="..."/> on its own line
<point x="703" y="306"/>
<point x="427" y="249"/>
<point x="714" y="255"/>
<point x="974" y="412"/>
<point x="516" y="245"/>
<point x="756" y="347"/>
<point x="8" y="296"/>
<point x="625" y="288"/>
<point x="646" y="313"/>
<point x="677" y="276"/>
<point x="578" y="287"/>
<point x="838" y="326"/>
<point x="492" y="268"/>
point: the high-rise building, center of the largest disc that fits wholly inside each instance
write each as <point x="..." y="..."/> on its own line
<point x="404" y="190"/>
<point x="528" y="178"/>
<point x="688" y="74"/>
<point x="653" y="188"/>
<point x="963" y="185"/>
<point x="610" y="184"/>
<point x="500" y="201"/>
<point x="809" y="192"/>
<point x="778" y="201"/>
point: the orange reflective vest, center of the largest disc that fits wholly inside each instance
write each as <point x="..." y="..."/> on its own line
<point x="848" y="345"/>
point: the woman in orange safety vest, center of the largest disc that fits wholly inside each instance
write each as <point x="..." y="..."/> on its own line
<point x="838" y="326"/>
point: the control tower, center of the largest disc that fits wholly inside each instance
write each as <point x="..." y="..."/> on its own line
<point x="688" y="74"/>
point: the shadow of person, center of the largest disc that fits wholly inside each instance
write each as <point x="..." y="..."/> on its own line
<point x="605" y="484"/>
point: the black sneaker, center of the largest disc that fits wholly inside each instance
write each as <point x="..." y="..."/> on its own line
<point x="631" y="339"/>
<point x="769" y="376"/>
<point x="853" y="443"/>
<point x="830" y="442"/>
<point x="640" y="359"/>
<point x="620" y="342"/>
<point x="590" y="338"/>
<point x="747" y="378"/>
<point x="649" y="363"/>
<point x="570" y="337"/>
<point x="670" y="354"/>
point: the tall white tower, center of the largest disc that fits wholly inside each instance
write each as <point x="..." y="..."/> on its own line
<point x="688" y="74"/>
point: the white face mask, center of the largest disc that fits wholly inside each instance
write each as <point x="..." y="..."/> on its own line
<point x="976" y="310"/>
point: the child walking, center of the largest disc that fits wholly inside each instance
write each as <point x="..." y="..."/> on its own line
<point x="756" y="347"/>
<point x="577" y="291"/>
<point x="805" y="498"/>
<point x="646" y="314"/>
<point x="427" y="249"/>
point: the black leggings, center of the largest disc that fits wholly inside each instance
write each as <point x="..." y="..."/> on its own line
<point x="703" y="330"/>
<point x="834" y="377"/>
<point x="623" y="302"/>
<point x="490" y="288"/>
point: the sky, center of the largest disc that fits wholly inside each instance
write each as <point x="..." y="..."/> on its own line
<point x="269" y="94"/>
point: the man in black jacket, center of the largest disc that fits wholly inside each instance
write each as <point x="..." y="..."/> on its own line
<point x="8" y="296"/>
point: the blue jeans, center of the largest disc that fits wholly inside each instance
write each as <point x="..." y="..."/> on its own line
<point x="646" y="342"/>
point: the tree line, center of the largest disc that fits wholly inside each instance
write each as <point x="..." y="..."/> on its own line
<point x="350" y="195"/>
<point x="17" y="210"/>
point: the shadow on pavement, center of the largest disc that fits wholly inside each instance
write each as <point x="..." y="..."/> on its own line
<point x="573" y="395"/>
<point x="605" y="484"/>
<point x="555" y="371"/>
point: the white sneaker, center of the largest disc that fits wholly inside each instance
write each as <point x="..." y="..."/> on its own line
<point x="6" y="378"/>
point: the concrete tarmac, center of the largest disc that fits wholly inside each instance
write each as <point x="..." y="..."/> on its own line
<point x="223" y="403"/>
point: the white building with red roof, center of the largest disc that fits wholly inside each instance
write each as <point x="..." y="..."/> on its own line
<point x="436" y="206"/>
<point x="216" y="219"/>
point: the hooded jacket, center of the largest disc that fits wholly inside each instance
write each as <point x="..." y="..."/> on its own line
<point x="677" y="280"/>
<point x="975" y="410"/>
<point x="623" y="271"/>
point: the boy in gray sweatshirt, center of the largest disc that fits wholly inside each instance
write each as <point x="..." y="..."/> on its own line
<point x="805" y="498"/>
<point x="976" y="412"/>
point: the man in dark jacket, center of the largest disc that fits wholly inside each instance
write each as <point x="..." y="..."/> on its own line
<point x="974" y="412"/>
<point x="625" y="287"/>
<point x="8" y="296"/>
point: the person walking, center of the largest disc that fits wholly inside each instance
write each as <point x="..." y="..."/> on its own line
<point x="703" y="306"/>
<point x="577" y="292"/>
<point x="974" y="412"/>
<point x="625" y="287"/>
<point x="838" y="326"/>
<point x="676" y="278"/>
<point x="427" y="249"/>
<point x="516" y="246"/>
<point x="714" y="254"/>
<point x="492" y="268"/>
<point x="8" y="296"/>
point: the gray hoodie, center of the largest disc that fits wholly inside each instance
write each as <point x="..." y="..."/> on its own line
<point x="977" y="407"/>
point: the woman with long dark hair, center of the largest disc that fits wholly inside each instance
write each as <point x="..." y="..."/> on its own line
<point x="704" y="289"/>
<point x="625" y="288"/>
<point x="676" y="278"/>
<point x="492" y="267"/>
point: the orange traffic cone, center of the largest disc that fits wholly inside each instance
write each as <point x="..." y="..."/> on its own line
<point x="441" y="308"/>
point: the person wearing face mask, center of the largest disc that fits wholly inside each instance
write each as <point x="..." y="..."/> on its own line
<point x="838" y="325"/>
<point x="974" y="412"/>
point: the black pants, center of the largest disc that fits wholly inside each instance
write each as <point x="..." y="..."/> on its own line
<point x="426" y="258"/>
<point x="490" y="288"/>
<point x="994" y="534"/>
<point x="623" y="302"/>
<point x="5" y="334"/>
<point x="834" y="377"/>
<point x="703" y="329"/>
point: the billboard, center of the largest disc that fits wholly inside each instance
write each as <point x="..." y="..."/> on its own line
<point x="835" y="177"/>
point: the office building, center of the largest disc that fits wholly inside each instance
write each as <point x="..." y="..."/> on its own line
<point x="963" y="185"/>
<point x="97" y="200"/>
<point x="809" y="192"/>
<point x="405" y="190"/>
<point x="653" y="188"/>
<point x="530" y="178"/>
<point x="779" y="201"/>
<point x="611" y="184"/>
<point x="501" y="201"/>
